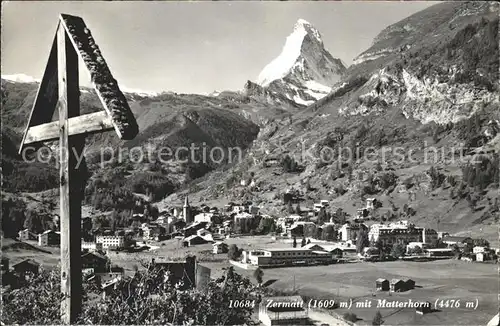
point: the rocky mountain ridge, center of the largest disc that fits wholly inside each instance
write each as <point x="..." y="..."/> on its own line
<point x="304" y="71"/>
<point x="430" y="80"/>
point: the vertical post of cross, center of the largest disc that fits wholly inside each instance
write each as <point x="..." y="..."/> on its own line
<point x="71" y="178"/>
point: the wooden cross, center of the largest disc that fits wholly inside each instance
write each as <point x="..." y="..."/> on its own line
<point x="60" y="87"/>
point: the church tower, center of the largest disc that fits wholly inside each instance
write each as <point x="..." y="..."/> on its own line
<point x="186" y="210"/>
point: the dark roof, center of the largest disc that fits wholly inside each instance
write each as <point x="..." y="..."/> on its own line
<point x="396" y="280"/>
<point x="98" y="256"/>
<point x="455" y="238"/>
<point x="27" y="261"/>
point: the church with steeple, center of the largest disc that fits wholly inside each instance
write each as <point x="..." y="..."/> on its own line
<point x="186" y="211"/>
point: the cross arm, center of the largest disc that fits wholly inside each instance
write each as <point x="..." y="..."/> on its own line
<point x="106" y="86"/>
<point x="83" y="124"/>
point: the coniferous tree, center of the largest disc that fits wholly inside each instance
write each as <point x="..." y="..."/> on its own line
<point x="377" y="319"/>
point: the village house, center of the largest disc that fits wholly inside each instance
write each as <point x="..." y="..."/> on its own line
<point x="92" y="246"/>
<point x="5" y="264"/>
<point x="220" y="248"/>
<point x="424" y="308"/>
<point x="110" y="241"/>
<point x="25" y="235"/>
<point x="205" y="234"/>
<point x="242" y="222"/>
<point x="317" y="207"/>
<point x="397" y="285"/>
<point x="49" y="238"/>
<point x="349" y="231"/>
<point x="162" y="220"/>
<point x="285" y="310"/>
<point x="442" y="234"/>
<point x="409" y="284"/>
<point x="314" y="246"/>
<point x="439" y="252"/>
<point x="153" y="231"/>
<point x="112" y="274"/>
<point x="108" y="287"/>
<point x="203" y="217"/>
<point x="285" y="222"/>
<point x="334" y="249"/>
<point x="482" y="256"/>
<point x="253" y="209"/>
<point x="362" y="213"/>
<point x="6" y="275"/>
<point x="479" y="249"/>
<point x="370" y="203"/>
<point x="454" y="240"/>
<point x="186" y="274"/>
<point x="193" y="240"/>
<point x="193" y="228"/>
<point x="302" y="229"/>
<point x="416" y="246"/>
<point x="382" y="284"/>
<point x="371" y="252"/>
<point x="238" y="209"/>
<point x="93" y="262"/>
<point x="26" y="266"/>
<point x="177" y="225"/>
<point x="86" y="223"/>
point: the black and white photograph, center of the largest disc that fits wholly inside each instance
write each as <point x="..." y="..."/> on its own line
<point x="257" y="163"/>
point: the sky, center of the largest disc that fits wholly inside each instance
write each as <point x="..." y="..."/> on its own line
<point x="191" y="47"/>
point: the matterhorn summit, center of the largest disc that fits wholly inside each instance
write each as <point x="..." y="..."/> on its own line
<point x="305" y="71"/>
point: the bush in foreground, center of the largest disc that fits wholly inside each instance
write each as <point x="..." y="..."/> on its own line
<point x="145" y="298"/>
<point x="349" y="316"/>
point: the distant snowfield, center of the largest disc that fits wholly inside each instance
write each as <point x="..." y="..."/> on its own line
<point x="23" y="78"/>
<point x="20" y="78"/>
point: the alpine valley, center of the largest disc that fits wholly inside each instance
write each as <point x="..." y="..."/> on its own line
<point x="427" y="86"/>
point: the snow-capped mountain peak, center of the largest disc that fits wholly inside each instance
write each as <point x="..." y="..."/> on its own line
<point x="20" y="78"/>
<point x="302" y="24"/>
<point x="281" y="65"/>
<point x="304" y="71"/>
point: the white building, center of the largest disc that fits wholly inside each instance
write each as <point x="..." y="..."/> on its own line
<point x="482" y="256"/>
<point x="238" y="209"/>
<point x="91" y="245"/>
<point x="348" y="232"/>
<point x="479" y="249"/>
<point x="23" y="235"/>
<point x="203" y="217"/>
<point x="254" y="210"/>
<point x="205" y="234"/>
<point x="110" y="241"/>
<point x="370" y="203"/>
<point x="285" y="257"/>
<point x="401" y="233"/>
<point x="317" y="207"/>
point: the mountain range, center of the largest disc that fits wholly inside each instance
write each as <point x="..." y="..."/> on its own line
<point x="430" y="80"/>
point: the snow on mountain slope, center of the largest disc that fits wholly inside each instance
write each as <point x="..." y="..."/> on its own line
<point x="23" y="78"/>
<point x="20" y="78"/>
<point x="304" y="71"/>
<point x="281" y="65"/>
